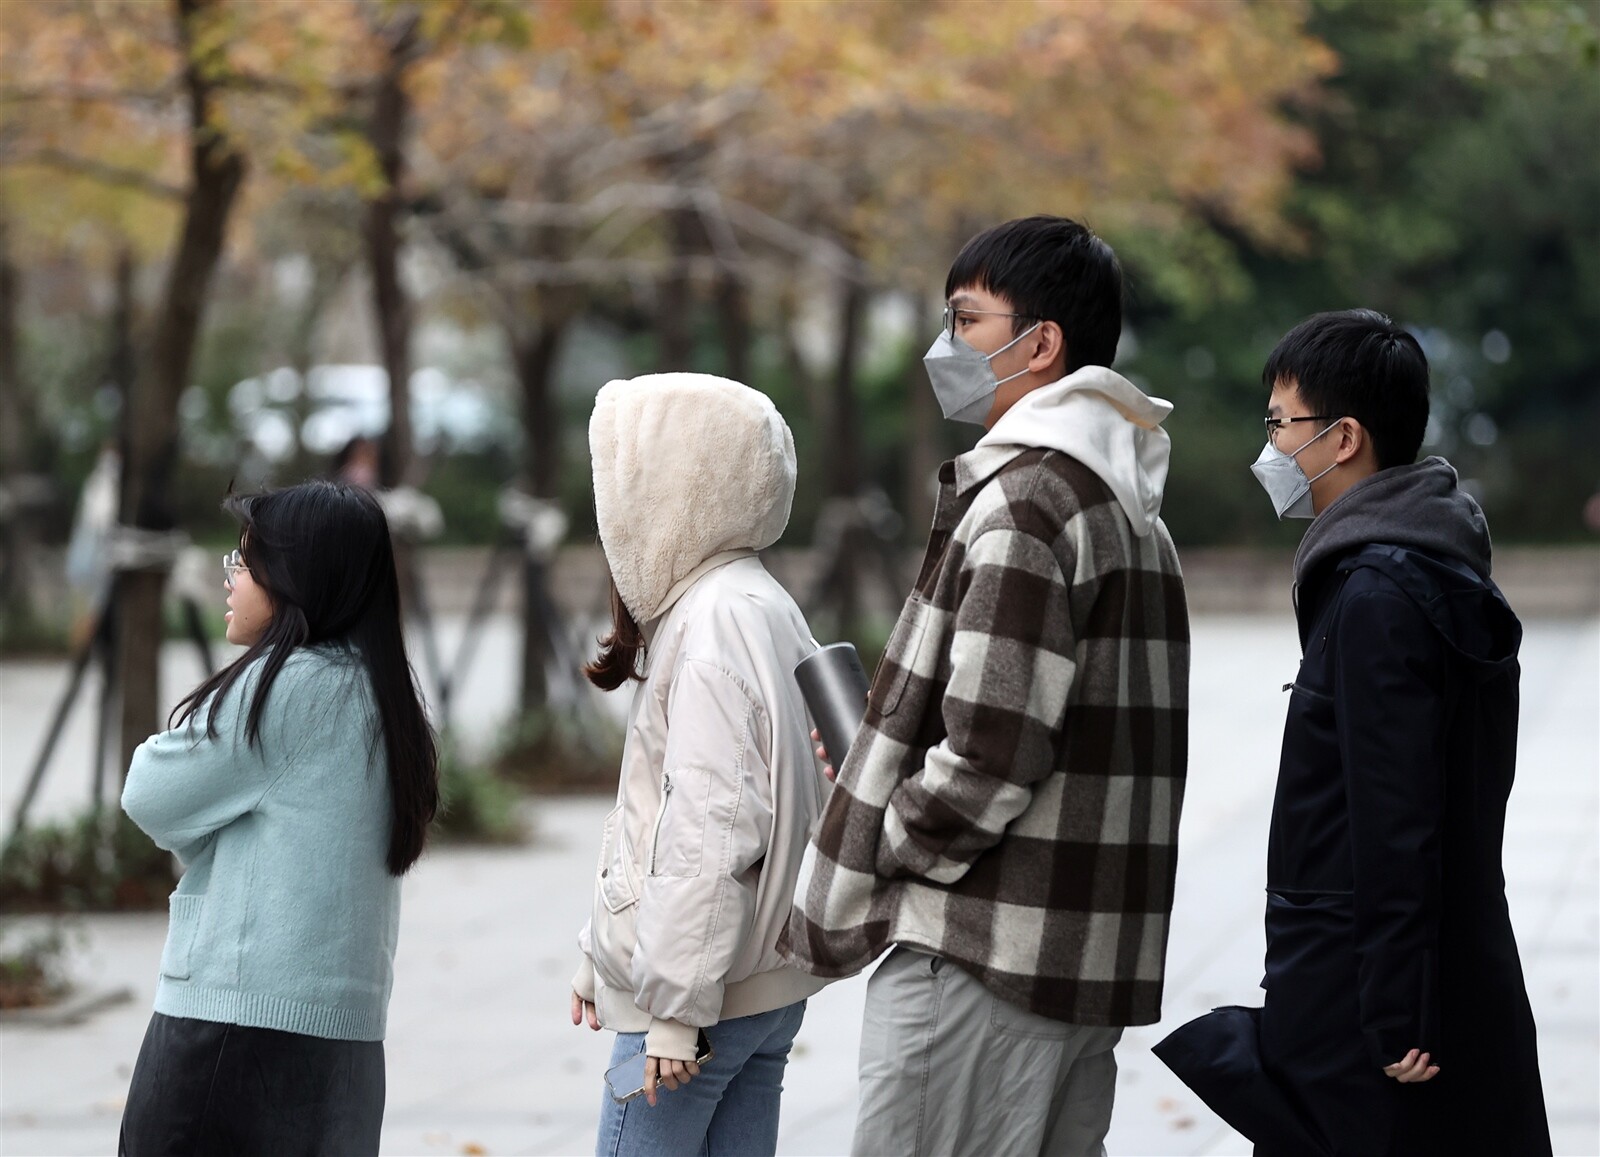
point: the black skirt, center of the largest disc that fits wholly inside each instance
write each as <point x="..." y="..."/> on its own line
<point x="201" y="1088"/>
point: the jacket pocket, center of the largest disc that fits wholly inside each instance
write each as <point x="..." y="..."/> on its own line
<point x="1318" y="696"/>
<point x="1310" y="944"/>
<point x="183" y="923"/>
<point x="616" y="888"/>
<point x="900" y="656"/>
<point x="678" y="839"/>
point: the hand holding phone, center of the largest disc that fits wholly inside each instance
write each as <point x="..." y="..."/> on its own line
<point x="627" y="1080"/>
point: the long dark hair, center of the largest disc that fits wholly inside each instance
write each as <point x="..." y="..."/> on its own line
<point x="622" y="652"/>
<point x="321" y="551"/>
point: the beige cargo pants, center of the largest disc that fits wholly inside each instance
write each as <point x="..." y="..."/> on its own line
<point x="950" y="1069"/>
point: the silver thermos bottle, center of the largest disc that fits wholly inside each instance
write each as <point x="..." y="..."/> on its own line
<point x="835" y="689"/>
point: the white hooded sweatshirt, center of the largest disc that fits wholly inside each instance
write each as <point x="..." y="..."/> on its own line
<point x="719" y="788"/>
<point x="1104" y="421"/>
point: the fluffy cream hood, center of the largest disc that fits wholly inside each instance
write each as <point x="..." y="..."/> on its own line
<point x="1107" y="423"/>
<point x="686" y="467"/>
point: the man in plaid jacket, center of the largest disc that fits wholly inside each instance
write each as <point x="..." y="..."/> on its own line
<point x="1006" y="820"/>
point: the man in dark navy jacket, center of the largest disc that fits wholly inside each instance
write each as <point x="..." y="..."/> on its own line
<point x="1396" y="1019"/>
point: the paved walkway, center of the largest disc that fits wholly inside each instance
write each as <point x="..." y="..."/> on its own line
<point x="482" y="1058"/>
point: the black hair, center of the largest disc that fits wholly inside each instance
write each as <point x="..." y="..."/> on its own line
<point x="1356" y="363"/>
<point x="321" y="552"/>
<point x="1049" y="269"/>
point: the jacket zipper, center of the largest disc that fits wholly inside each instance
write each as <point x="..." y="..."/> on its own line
<point x="655" y="836"/>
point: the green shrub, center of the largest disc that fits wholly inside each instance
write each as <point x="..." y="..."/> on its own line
<point x="25" y="633"/>
<point x="95" y="863"/>
<point x="476" y="806"/>
<point x="561" y="751"/>
<point x="30" y="972"/>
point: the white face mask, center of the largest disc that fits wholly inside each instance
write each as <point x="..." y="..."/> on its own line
<point x="962" y="378"/>
<point x="1285" y="483"/>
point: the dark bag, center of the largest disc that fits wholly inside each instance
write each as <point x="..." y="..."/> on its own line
<point x="1218" y="1055"/>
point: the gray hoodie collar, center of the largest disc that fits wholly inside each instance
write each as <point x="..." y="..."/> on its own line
<point x="1417" y="506"/>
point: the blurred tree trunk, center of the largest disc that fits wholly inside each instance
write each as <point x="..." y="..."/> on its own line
<point x="922" y="432"/>
<point x="150" y="416"/>
<point x="794" y="362"/>
<point x="537" y="331"/>
<point x="16" y="582"/>
<point x="536" y="321"/>
<point x="386" y="132"/>
<point x="844" y="417"/>
<point x="733" y="319"/>
<point x="846" y="473"/>
<point x="535" y="349"/>
<point x="121" y="363"/>
<point x="675" y="293"/>
<point x="12" y="436"/>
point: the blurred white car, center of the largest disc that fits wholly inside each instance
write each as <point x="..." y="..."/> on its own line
<point x="340" y="402"/>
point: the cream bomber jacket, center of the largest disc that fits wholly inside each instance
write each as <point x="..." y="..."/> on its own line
<point x="719" y="789"/>
<point x="718" y="795"/>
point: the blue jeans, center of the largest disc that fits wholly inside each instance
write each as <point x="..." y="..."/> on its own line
<point x="730" y="1109"/>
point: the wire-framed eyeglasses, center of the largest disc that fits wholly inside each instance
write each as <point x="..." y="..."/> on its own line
<point x="952" y="312"/>
<point x="232" y="563"/>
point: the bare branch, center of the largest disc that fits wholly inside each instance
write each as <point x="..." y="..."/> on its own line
<point x="664" y="132"/>
<point x="106" y="174"/>
<point x="87" y="94"/>
<point x="724" y="241"/>
<point x="253" y="82"/>
<point x="589" y="270"/>
<point x="711" y="205"/>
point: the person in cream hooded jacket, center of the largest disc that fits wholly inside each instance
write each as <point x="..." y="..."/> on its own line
<point x="718" y="791"/>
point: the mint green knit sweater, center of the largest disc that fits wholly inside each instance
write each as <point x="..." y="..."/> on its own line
<point x="286" y="916"/>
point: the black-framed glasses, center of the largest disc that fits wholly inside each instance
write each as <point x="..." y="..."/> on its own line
<point x="232" y="564"/>
<point x="1276" y="424"/>
<point x="951" y="312"/>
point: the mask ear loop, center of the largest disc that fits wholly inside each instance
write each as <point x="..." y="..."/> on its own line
<point x="1296" y="455"/>
<point x="1002" y="381"/>
<point x="1329" y="470"/>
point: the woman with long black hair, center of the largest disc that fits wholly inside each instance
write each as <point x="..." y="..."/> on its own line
<point x="296" y="787"/>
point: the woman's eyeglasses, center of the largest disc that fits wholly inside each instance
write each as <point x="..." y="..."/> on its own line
<point x="232" y="564"/>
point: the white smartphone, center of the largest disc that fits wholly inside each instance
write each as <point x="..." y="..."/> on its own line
<point x="626" y="1081"/>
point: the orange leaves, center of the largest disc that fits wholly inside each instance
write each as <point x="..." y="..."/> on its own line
<point x="1137" y="108"/>
<point x="93" y="107"/>
<point x="882" y="122"/>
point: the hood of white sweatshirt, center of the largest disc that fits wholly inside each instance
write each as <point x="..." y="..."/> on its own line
<point x="1104" y="421"/>
<point x="686" y="467"/>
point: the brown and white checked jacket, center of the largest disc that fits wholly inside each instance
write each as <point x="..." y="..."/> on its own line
<point x="1011" y="800"/>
